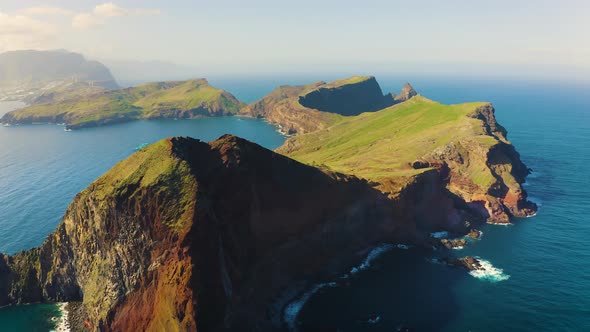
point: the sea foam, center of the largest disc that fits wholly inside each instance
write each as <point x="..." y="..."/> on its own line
<point x="62" y="321"/>
<point x="489" y="272"/>
<point x="374" y="254"/>
<point x="292" y="310"/>
<point x="439" y="235"/>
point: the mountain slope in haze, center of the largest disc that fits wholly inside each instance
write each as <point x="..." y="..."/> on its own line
<point x="178" y="99"/>
<point x="391" y="146"/>
<point x="306" y="108"/>
<point x="29" y="68"/>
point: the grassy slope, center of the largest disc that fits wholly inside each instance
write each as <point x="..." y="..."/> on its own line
<point x="144" y="101"/>
<point x="383" y="144"/>
<point x="346" y="81"/>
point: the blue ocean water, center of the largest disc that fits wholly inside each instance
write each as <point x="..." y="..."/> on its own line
<point x="542" y="281"/>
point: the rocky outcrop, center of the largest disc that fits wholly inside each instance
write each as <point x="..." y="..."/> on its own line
<point x="493" y="190"/>
<point x="185" y="235"/>
<point x="469" y="262"/>
<point x="406" y="93"/>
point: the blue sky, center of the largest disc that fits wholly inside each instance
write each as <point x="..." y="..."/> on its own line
<point x="241" y="35"/>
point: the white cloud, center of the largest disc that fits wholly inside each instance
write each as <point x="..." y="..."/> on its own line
<point x="20" y="31"/>
<point x="103" y="12"/>
<point x="47" y="11"/>
<point x="110" y="10"/>
<point x="86" y="21"/>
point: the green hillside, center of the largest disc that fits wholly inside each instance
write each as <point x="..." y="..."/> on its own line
<point x="386" y="143"/>
<point x="179" y="99"/>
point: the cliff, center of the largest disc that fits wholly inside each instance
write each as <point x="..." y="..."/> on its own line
<point x="464" y="143"/>
<point x="307" y="108"/>
<point x="186" y="235"/>
<point x="176" y="99"/>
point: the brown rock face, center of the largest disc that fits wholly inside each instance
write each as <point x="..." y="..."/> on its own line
<point x="497" y="194"/>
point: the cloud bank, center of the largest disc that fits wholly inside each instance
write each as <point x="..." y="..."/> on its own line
<point x="21" y="32"/>
<point x="102" y="13"/>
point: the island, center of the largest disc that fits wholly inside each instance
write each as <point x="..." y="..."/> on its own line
<point x="188" y="235"/>
<point x="173" y="99"/>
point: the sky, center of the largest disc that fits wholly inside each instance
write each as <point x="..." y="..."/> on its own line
<point x="528" y="36"/>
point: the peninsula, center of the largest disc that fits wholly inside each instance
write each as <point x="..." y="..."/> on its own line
<point x="188" y="235"/>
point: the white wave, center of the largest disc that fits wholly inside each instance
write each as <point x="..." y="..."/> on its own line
<point x="62" y="321"/>
<point x="458" y="248"/>
<point x="402" y="246"/>
<point x="291" y="311"/>
<point x="374" y="254"/>
<point x="489" y="272"/>
<point x="439" y="235"/>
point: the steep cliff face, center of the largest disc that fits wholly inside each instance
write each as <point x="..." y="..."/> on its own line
<point x="485" y="171"/>
<point x="186" y="235"/>
<point x="307" y="108"/>
<point x="348" y="97"/>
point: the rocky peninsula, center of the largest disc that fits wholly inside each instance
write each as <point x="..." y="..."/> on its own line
<point x="187" y="235"/>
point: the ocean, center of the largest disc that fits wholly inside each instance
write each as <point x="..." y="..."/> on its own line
<point x="538" y="276"/>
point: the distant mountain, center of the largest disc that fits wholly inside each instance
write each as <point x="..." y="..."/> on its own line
<point x="29" y="69"/>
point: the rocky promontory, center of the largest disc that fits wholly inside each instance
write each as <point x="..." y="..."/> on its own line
<point x="306" y="108"/>
<point x="463" y="144"/>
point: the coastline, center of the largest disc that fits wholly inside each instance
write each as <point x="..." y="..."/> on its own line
<point x="62" y="320"/>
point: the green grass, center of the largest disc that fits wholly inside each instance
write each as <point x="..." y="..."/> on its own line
<point x="161" y="99"/>
<point x="382" y="144"/>
<point x="347" y="81"/>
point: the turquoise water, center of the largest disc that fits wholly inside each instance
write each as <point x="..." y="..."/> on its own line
<point x="544" y="260"/>
<point x="29" y="318"/>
